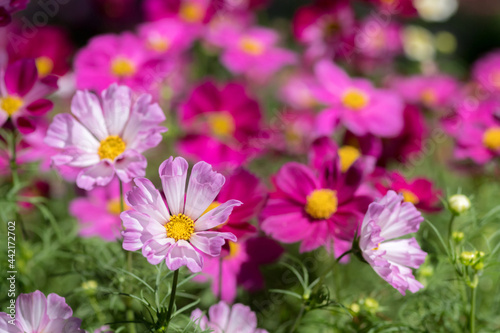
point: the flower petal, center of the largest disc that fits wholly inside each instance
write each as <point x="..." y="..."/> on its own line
<point x="183" y="254"/>
<point x="211" y="242"/>
<point x="87" y="109"/>
<point x="97" y="175"/>
<point x="116" y="104"/>
<point x="173" y="173"/>
<point x="129" y="165"/>
<point x="145" y="198"/>
<point x="216" y="216"/>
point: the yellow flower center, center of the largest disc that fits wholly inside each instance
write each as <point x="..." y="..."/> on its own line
<point x="180" y="227"/>
<point x="114" y="206"/>
<point x="354" y="99"/>
<point x="321" y="204"/>
<point x="428" y="97"/>
<point x="251" y="46"/>
<point x="111" y="147"/>
<point x="191" y="12"/>
<point x="409" y="196"/>
<point x="159" y="44"/>
<point x="491" y="138"/>
<point x="348" y="155"/>
<point x="45" y="65"/>
<point x="11" y="104"/>
<point x="221" y="124"/>
<point x="122" y="67"/>
<point x="234" y="250"/>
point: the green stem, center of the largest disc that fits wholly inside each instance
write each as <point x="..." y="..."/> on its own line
<point x="122" y="204"/>
<point x="172" y="298"/>
<point x="450" y="232"/>
<point x="330" y="268"/>
<point x="299" y="317"/>
<point x="472" y="319"/>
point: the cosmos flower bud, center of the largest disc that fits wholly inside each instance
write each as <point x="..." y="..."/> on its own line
<point x="459" y="204"/>
<point x="371" y="305"/>
<point x="457" y="236"/>
<point x="467" y="258"/>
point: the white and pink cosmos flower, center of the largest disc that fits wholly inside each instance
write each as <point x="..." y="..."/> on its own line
<point x="225" y="319"/>
<point x="175" y="231"/>
<point x="106" y="136"/>
<point x="36" y="313"/>
<point x="391" y="258"/>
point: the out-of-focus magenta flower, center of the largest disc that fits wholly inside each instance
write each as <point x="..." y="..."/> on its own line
<point x="167" y="36"/>
<point x="38" y="188"/>
<point x="7" y="7"/>
<point x="315" y="206"/>
<point x="486" y="71"/>
<point x="174" y="232"/>
<point x="240" y="266"/>
<point x="434" y="92"/>
<point x="385" y="220"/>
<point x="21" y="95"/>
<point x="253" y="52"/>
<point x="376" y="39"/>
<point x="122" y="59"/>
<point x="106" y="137"/>
<point x="356" y="104"/>
<point x="419" y="191"/>
<point x="292" y="131"/>
<point x="325" y="27"/>
<point x="98" y="213"/>
<point x="403" y="8"/>
<point x="49" y="46"/>
<point x="220" y="122"/>
<point x="476" y="130"/>
<point x="190" y="11"/>
<point x="297" y="91"/>
<point x="223" y="318"/>
<point x="36" y="313"/>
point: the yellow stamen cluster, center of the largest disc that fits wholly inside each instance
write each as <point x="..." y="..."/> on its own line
<point x="321" y="204"/>
<point x="251" y="46"/>
<point x="11" y="104"/>
<point x="234" y="250"/>
<point x="180" y="227"/>
<point x="111" y="147"/>
<point x="114" y="207"/>
<point x="491" y="138"/>
<point x="409" y="196"/>
<point x="428" y="97"/>
<point x="348" y="155"/>
<point x="191" y="12"/>
<point x="221" y="124"/>
<point x="44" y="65"/>
<point x="122" y="67"/>
<point x="159" y="44"/>
<point x="354" y="99"/>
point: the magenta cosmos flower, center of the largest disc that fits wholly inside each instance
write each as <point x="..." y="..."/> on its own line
<point x="419" y="191"/>
<point x="315" y="206"/>
<point x="253" y="52"/>
<point x="486" y="71"/>
<point x="98" y="213"/>
<point x="36" y="313"/>
<point x="123" y="59"/>
<point x="167" y="37"/>
<point x="8" y="7"/>
<point x="190" y="11"/>
<point x="241" y="262"/>
<point x="174" y="232"/>
<point x="385" y="220"/>
<point x="221" y="122"/>
<point x="106" y="137"/>
<point x="222" y="319"/>
<point x="21" y="95"/>
<point x="356" y="104"/>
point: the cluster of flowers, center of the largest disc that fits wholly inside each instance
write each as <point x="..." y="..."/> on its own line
<point x="344" y="194"/>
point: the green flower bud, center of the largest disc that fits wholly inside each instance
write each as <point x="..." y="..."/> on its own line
<point x="459" y="204"/>
<point x="458" y="236"/>
<point x="467" y="258"/>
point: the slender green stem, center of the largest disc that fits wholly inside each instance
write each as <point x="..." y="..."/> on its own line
<point x="299" y="318"/>
<point x="450" y="231"/>
<point x="472" y="319"/>
<point x="330" y="268"/>
<point x="172" y="297"/>
<point x="122" y="204"/>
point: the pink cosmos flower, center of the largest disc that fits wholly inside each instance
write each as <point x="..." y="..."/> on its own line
<point x="106" y="136"/>
<point x="325" y="27"/>
<point x="21" y="95"/>
<point x="385" y="220"/>
<point x="240" y="266"/>
<point x="434" y="92"/>
<point x="194" y="12"/>
<point x="356" y="104"/>
<point x="298" y="91"/>
<point x="49" y="46"/>
<point x="176" y="232"/>
<point x="486" y="71"/>
<point x="36" y="313"/>
<point x="98" y="213"/>
<point x="477" y="131"/>
<point x="8" y="7"/>
<point x="167" y="37"/>
<point x="222" y="318"/>
<point x="419" y="191"/>
<point x="315" y="206"/>
<point x="377" y="40"/>
<point x="123" y="59"/>
<point x="221" y="122"/>
<point x="253" y="52"/>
